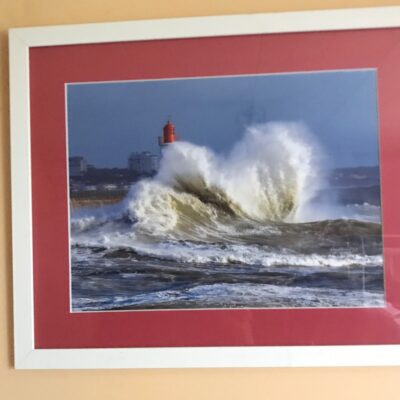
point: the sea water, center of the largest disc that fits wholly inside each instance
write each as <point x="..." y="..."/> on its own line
<point x="262" y="226"/>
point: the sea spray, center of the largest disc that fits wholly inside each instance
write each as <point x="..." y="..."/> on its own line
<point x="271" y="175"/>
<point x="275" y="171"/>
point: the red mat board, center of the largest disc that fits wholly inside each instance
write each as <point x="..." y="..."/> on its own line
<point x="52" y="67"/>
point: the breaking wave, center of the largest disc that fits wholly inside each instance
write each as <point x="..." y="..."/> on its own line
<point x="251" y="206"/>
<point x="269" y="176"/>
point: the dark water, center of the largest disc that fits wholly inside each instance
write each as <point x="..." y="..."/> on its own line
<point x="216" y="258"/>
<point x="123" y="280"/>
<point x="322" y="264"/>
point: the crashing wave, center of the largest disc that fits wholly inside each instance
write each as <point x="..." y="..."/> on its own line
<point x="269" y="176"/>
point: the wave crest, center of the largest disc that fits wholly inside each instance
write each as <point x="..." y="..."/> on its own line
<point x="269" y="176"/>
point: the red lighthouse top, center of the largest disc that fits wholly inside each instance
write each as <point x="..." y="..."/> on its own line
<point x="169" y="135"/>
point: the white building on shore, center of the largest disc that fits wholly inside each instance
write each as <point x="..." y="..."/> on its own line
<point x="143" y="163"/>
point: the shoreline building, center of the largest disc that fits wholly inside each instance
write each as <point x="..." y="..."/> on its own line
<point x="77" y="166"/>
<point x="144" y="163"/>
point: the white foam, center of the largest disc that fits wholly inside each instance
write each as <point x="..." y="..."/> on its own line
<point x="207" y="253"/>
<point x="251" y="255"/>
<point x="270" y="175"/>
<point x="230" y="295"/>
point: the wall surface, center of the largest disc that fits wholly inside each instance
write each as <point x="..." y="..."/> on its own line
<point x="316" y="383"/>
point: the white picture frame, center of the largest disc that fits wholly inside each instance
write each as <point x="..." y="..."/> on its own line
<point x="21" y="40"/>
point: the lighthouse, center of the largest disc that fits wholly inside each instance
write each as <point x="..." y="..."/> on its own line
<point x="169" y="136"/>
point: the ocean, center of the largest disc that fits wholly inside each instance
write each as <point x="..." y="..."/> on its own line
<point x="268" y="225"/>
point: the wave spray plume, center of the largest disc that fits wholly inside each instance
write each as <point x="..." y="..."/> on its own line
<point x="269" y="176"/>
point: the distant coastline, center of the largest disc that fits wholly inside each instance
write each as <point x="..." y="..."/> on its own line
<point x="96" y="198"/>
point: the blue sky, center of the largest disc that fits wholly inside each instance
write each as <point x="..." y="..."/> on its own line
<point x="108" y="121"/>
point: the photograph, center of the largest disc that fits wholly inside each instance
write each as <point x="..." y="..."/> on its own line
<point x="251" y="191"/>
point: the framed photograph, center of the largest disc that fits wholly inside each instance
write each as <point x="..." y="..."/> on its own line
<point x="207" y="192"/>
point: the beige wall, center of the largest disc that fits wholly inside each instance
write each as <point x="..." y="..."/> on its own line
<point x="316" y="383"/>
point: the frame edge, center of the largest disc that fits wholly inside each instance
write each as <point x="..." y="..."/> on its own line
<point x="21" y="199"/>
<point x="224" y="25"/>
